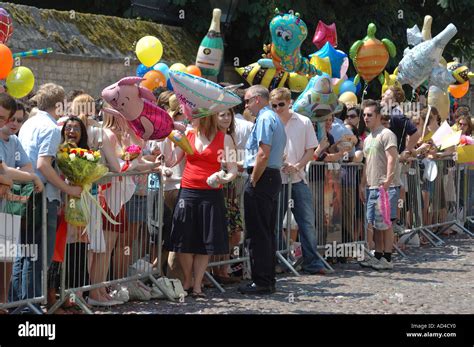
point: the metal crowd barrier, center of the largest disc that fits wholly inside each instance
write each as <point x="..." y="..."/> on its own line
<point x="23" y="259"/>
<point x="467" y="187"/>
<point x="340" y="215"/>
<point x="102" y="254"/>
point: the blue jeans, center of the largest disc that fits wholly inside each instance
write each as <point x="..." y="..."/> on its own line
<point x="26" y="276"/>
<point x="303" y="210"/>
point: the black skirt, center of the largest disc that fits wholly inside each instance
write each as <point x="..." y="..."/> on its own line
<point x="199" y="224"/>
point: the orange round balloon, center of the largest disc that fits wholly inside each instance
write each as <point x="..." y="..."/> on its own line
<point x="459" y="90"/>
<point x="6" y="61"/>
<point x="153" y="79"/>
<point x="193" y="70"/>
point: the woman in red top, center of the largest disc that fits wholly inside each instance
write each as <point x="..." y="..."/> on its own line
<point x="199" y="226"/>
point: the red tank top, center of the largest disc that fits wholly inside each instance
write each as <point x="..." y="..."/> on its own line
<point x="200" y="166"/>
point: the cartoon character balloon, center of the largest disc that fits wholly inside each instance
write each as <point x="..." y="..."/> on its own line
<point x="389" y="80"/>
<point x="6" y="26"/>
<point x="370" y="55"/>
<point x="288" y="32"/>
<point x="137" y="105"/>
<point x="255" y="74"/>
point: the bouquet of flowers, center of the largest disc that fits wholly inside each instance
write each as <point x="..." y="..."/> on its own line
<point x="82" y="168"/>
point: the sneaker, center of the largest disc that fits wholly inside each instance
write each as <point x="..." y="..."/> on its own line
<point x="383" y="264"/>
<point x="255" y="289"/>
<point x="369" y="261"/>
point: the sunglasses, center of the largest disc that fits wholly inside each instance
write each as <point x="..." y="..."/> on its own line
<point x="281" y="104"/>
<point x="75" y="129"/>
<point x="368" y="114"/>
<point x="246" y="101"/>
<point x="463" y="124"/>
<point x="353" y="115"/>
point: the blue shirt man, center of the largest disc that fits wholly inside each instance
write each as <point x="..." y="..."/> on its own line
<point x="269" y="130"/>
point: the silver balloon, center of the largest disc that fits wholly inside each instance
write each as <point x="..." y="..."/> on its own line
<point x="441" y="77"/>
<point x="419" y="62"/>
<point x="414" y="36"/>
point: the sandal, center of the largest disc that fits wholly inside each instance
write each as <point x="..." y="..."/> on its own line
<point x="196" y="295"/>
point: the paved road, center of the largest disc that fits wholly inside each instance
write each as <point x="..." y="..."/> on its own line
<point x="432" y="280"/>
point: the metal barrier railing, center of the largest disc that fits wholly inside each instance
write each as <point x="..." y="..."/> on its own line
<point x="103" y="254"/>
<point x="467" y="186"/>
<point x="23" y="250"/>
<point x="340" y="215"/>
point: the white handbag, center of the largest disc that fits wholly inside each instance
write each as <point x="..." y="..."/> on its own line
<point x="9" y="236"/>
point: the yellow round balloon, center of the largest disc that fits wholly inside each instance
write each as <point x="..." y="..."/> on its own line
<point x="20" y="82"/>
<point x="348" y="98"/>
<point x="178" y="67"/>
<point x="149" y="50"/>
<point x="297" y="83"/>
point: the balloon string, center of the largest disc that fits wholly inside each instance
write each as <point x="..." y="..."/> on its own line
<point x="364" y="91"/>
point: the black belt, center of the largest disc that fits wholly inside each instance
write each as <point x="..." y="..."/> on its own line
<point x="250" y="169"/>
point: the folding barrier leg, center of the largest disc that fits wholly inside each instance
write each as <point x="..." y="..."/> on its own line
<point x="399" y="251"/>
<point x="286" y="263"/>
<point x="214" y="282"/>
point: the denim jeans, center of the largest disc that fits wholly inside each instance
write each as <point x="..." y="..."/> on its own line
<point x="27" y="272"/>
<point x="303" y="210"/>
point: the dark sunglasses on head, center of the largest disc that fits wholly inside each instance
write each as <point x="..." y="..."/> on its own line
<point x="281" y="104"/>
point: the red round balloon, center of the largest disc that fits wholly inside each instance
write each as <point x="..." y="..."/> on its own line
<point x="194" y="70"/>
<point x="6" y="26"/>
<point x="6" y="61"/>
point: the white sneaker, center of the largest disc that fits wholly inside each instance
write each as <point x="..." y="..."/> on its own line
<point x="369" y="261"/>
<point x="383" y="264"/>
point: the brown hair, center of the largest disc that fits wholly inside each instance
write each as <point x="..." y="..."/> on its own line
<point x="370" y="103"/>
<point x="231" y="129"/>
<point x="48" y="96"/>
<point x="468" y="122"/>
<point x="280" y="94"/>
<point x="164" y="99"/>
<point x="8" y="103"/>
<point x="207" y="126"/>
<point x="398" y="93"/>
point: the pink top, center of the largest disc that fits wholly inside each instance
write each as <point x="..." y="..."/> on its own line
<point x="161" y="120"/>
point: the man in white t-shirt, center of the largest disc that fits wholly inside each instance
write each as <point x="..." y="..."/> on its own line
<point x="300" y="146"/>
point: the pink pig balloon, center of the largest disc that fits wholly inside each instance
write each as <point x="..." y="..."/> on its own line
<point x="136" y="105"/>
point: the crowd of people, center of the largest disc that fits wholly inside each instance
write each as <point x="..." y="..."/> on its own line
<point x="244" y="156"/>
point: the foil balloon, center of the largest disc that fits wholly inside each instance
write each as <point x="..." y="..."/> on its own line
<point x="6" y="26"/>
<point x="325" y="33"/>
<point x="459" y="90"/>
<point x="322" y="64"/>
<point x="389" y="80"/>
<point x="439" y="99"/>
<point x="418" y="63"/>
<point x="297" y="83"/>
<point x="370" y="55"/>
<point x="336" y="57"/>
<point x="288" y="31"/>
<point x="460" y="72"/>
<point x="200" y="96"/>
<point x="317" y="100"/>
<point x="137" y="105"/>
<point x="255" y="74"/>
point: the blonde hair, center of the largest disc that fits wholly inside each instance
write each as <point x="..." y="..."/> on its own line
<point x="48" y="96"/>
<point x="207" y="126"/>
<point x="280" y="94"/>
<point x="83" y="106"/>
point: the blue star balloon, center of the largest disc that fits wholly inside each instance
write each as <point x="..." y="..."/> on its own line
<point x="335" y="57"/>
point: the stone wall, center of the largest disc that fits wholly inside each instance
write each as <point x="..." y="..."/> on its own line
<point x="75" y="72"/>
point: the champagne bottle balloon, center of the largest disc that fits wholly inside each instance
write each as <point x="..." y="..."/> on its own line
<point x="211" y="50"/>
